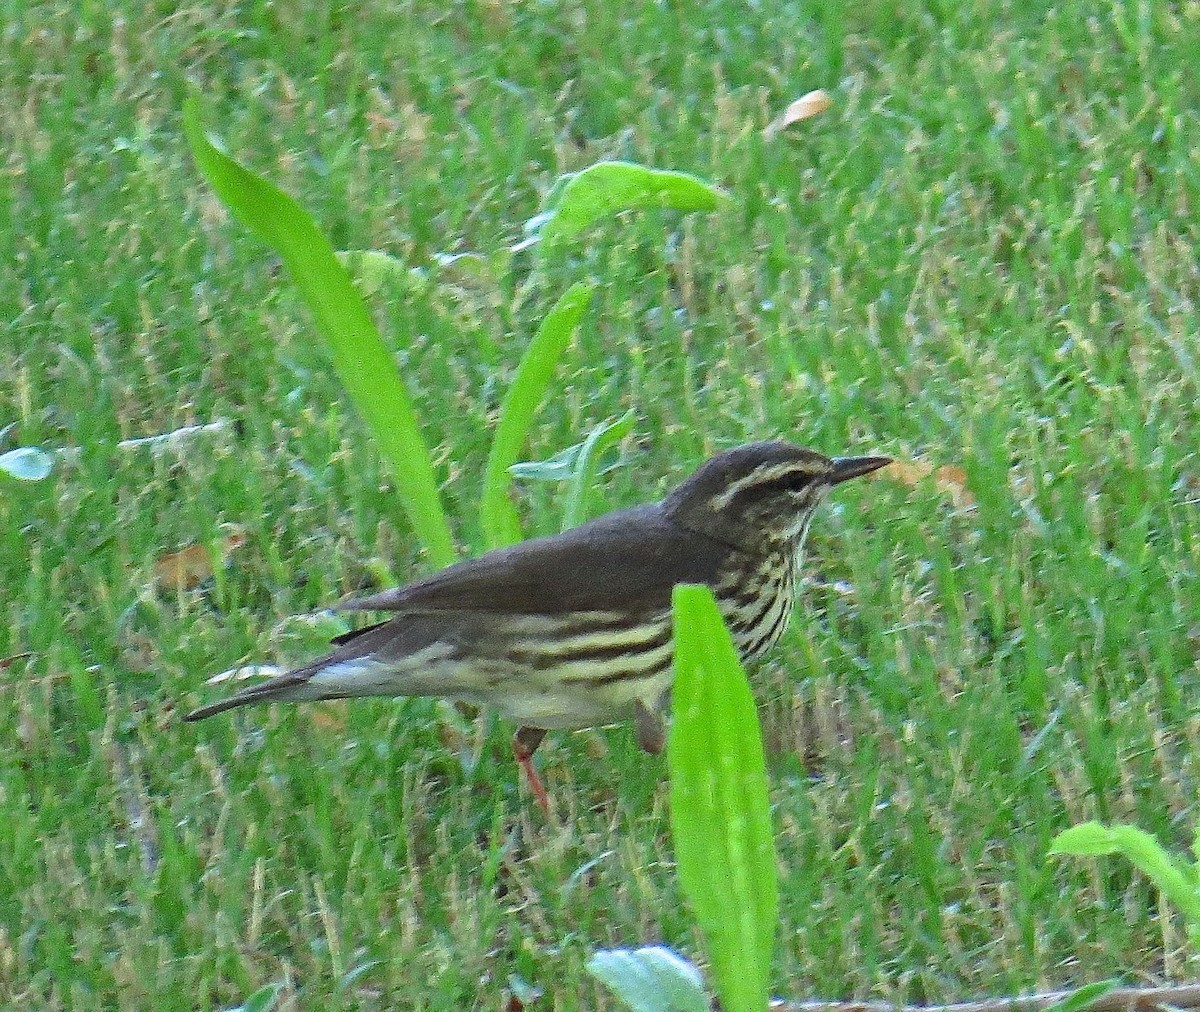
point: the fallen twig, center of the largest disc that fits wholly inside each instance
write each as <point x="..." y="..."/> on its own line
<point x="1121" y="999"/>
<point x="176" y="440"/>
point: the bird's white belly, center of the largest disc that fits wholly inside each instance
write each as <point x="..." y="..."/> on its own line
<point x="569" y="708"/>
<point x="594" y="675"/>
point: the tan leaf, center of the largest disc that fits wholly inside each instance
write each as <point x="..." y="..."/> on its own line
<point x="948" y="478"/>
<point x="452" y="737"/>
<point x="952" y="480"/>
<point x="330" y="716"/>
<point x="191" y="566"/>
<point x="805" y="107"/>
<point x="907" y="472"/>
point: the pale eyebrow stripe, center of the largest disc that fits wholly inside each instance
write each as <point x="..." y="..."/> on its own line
<point x="762" y="474"/>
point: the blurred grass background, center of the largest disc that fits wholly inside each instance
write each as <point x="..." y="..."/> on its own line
<point x="982" y="255"/>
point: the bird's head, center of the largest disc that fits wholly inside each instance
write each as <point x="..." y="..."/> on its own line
<point x="762" y="494"/>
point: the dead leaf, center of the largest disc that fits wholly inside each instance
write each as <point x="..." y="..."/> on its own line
<point x="907" y="472"/>
<point x="952" y="480"/>
<point x="949" y="478"/>
<point x="451" y="735"/>
<point x="186" y="569"/>
<point x="805" y="107"/>
<point x="330" y="716"/>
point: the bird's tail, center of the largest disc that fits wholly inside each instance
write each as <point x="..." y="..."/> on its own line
<point x="355" y="668"/>
<point x="290" y="687"/>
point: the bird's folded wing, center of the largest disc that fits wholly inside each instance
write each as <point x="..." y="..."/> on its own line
<point x="627" y="560"/>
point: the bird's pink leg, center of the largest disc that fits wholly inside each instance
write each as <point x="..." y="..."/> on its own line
<point x="524" y="744"/>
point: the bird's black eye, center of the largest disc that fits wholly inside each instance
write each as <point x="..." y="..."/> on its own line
<point x="801" y="479"/>
<point x="796" y="480"/>
<point x="790" y="483"/>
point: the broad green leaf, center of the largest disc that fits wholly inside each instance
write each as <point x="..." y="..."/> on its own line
<point x="720" y="818"/>
<point x="587" y="463"/>
<point x="608" y="188"/>
<point x="1085" y="839"/>
<point x="1143" y="851"/>
<point x="362" y="362"/>
<point x="651" y="979"/>
<point x="26" y="463"/>
<point x="373" y="270"/>
<point x="498" y="516"/>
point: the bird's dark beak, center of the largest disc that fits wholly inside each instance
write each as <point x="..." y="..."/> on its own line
<point x="845" y="468"/>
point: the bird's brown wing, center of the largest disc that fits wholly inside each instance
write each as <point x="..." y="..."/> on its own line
<point x="629" y="559"/>
<point x="624" y="561"/>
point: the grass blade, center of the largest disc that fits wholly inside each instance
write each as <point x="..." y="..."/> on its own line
<point x="362" y="362"/>
<point x="263" y="1000"/>
<point x="498" y="516"/>
<point x="591" y="449"/>
<point x="720" y="817"/>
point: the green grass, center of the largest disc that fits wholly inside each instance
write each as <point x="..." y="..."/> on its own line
<point x="983" y="254"/>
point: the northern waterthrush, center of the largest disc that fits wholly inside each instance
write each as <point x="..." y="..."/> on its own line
<point x="574" y="630"/>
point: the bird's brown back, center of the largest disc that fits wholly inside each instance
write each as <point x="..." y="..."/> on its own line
<point x="624" y="561"/>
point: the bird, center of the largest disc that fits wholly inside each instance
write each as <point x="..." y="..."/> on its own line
<point x="574" y="630"/>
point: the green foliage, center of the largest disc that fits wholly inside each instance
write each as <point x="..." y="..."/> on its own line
<point x="362" y="362"/>
<point x="587" y="465"/>
<point x="374" y="270"/>
<point x="499" y="518"/>
<point x="26" y="463"/>
<point x="323" y="279"/>
<point x="1084" y="997"/>
<point x="651" y="979"/>
<point x="608" y="188"/>
<point x="720" y="813"/>
<point x="984" y="254"/>
<point x="1176" y="877"/>
<point x="263" y="1000"/>
<point x="579" y="465"/>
